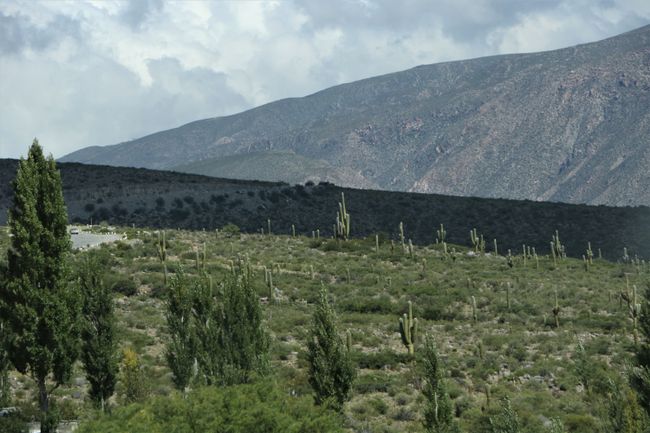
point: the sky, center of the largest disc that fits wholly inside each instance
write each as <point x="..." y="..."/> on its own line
<point x="82" y="73"/>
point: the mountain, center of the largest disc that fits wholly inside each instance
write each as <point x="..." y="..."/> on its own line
<point x="272" y="166"/>
<point x="151" y="198"/>
<point x="568" y="125"/>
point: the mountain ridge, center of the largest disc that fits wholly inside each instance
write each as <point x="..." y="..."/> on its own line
<point x="563" y="125"/>
<point x="151" y="198"/>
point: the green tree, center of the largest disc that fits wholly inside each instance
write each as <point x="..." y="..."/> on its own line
<point x="331" y="372"/>
<point x="180" y="351"/>
<point x="98" y="350"/>
<point x="39" y="305"/>
<point x="232" y="344"/>
<point x="438" y="417"/>
<point x="507" y="420"/>
<point x="625" y="414"/>
<point x="133" y="378"/>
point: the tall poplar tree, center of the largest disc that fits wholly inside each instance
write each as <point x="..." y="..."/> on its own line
<point x="231" y="342"/>
<point x="40" y="307"/>
<point x="438" y="416"/>
<point x="181" y="348"/>
<point x="331" y="372"/>
<point x="98" y="347"/>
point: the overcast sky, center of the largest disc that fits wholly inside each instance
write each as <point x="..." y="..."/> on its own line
<point x="78" y="73"/>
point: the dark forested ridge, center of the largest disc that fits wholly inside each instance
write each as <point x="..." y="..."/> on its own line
<point x="153" y="198"/>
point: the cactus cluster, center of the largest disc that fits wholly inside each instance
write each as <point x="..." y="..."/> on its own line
<point x="590" y="254"/>
<point x="441" y="234"/>
<point x="557" y="249"/>
<point x="477" y="241"/>
<point x="342" y="221"/>
<point x="408" y="329"/>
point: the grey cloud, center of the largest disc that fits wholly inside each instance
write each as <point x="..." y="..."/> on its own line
<point x="18" y="33"/>
<point x="136" y="12"/>
<point x="119" y="108"/>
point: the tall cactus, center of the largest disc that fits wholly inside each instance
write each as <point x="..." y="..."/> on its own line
<point x="408" y="329"/>
<point x="401" y="235"/>
<point x="590" y="254"/>
<point x="557" y="249"/>
<point x="477" y="241"/>
<point x="441" y="234"/>
<point x="342" y="220"/>
<point x="162" y="254"/>
<point x="556" y="311"/>
<point x="474" y="313"/>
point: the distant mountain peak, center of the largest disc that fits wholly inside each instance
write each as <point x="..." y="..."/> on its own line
<point x="565" y="125"/>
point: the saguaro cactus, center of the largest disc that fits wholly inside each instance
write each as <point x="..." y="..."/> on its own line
<point x="342" y="220"/>
<point x="556" y="312"/>
<point x="474" y="314"/>
<point x="408" y="329"/>
<point x="162" y="254"/>
<point x="477" y="241"/>
<point x="441" y="234"/>
<point x="401" y="235"/>
<point x="557" y="249"/>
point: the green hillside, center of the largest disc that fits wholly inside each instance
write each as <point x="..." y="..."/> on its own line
<point x="509" y="345"/>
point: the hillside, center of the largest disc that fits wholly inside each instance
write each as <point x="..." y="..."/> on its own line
<point x="568" y="125"/>
<point x="493" y="324"/>
<point x="273" y="166"/>
<point x="149" y="198"/>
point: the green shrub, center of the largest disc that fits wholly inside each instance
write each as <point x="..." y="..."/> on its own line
<point x="251" y="408"/>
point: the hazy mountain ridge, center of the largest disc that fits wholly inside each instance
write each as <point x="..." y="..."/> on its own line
<point x="567" y="125"/>
<point x="150" y="198"/>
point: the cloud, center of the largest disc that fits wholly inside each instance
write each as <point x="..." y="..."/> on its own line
<point x="101" y="72"/>
<point x="18" y="33"/>
<point x="136" y="13"/>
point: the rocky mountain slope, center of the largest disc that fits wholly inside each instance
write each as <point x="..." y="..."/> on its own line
<point x="569" y="125"/>
<point x="151" y="198"/>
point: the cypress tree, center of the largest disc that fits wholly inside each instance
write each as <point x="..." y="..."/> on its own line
<point x="231" y="343"/>
<point x="99" y="350"/>
<point x="438" y="416"/>
<point x="39" y="305"/>
<point x="180" y="351"/>
<point x="507" y="421"/>
<point x="331" y="372"/>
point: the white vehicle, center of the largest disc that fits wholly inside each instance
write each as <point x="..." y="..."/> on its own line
<point x="74" y="231"/>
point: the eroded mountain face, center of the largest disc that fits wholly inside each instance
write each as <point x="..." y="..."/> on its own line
<point x="568" y="125"/>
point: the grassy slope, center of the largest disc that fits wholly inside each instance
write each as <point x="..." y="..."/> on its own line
<point x="515" y="351"/>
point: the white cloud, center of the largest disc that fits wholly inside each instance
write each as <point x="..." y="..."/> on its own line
<point x="100" y="72"/>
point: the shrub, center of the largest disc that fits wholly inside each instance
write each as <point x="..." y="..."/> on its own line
<point x="251" y="408"/>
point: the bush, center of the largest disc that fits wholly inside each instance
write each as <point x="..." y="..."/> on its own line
<point x="252" y="408"/>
